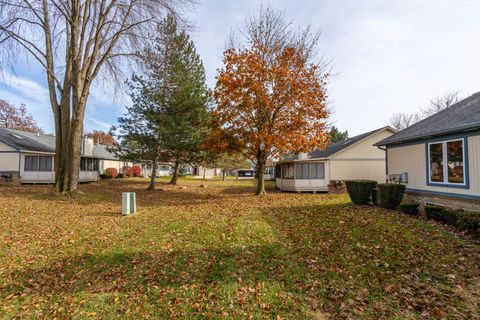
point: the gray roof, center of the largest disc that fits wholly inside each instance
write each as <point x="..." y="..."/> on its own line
<point x="34" y="142"/>
<point x="333" y="148"/>
<point x="462" y="116"/>
<point x="27" y="141"/>
<point x="100" y="151"/>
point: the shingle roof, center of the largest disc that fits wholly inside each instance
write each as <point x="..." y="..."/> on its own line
<point x="333" y="148"/>
<point x="27" y="141"/>
<point x="44" y="143"/>
<point x="462" y="116"/>
<point x="101" y="151"/>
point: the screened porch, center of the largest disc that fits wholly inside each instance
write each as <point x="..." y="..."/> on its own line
<point x="302" y="176"/>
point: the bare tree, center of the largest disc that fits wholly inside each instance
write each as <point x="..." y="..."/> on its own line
<point x="440" y="103"/>
<point x="403" y="120"/>
<point x="74" y="42"/>
<point x="17" y="118"/>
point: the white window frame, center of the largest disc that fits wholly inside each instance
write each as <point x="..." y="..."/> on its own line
<point x="445" y="164"/>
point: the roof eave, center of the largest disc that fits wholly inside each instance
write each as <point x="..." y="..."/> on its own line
<point x="427" y="136"/>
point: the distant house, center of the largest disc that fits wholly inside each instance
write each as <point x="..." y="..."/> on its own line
<point x="438" y="158"/>
<point x="354" y="158"/>
<point x="27" y="157"/>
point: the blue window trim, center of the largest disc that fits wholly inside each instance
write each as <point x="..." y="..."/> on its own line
<point x="465" y="185"/>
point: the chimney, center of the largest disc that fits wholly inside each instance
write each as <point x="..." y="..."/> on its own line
<point x="302" y="156"/>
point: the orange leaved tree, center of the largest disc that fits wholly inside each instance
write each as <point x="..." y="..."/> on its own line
<point x="270" y="94"/>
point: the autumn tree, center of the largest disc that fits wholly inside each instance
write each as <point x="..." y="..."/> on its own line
<point x="336" y="135"/>
<point x="17" y="118"/>
<point x="270" y="94"/>
<point x="101" y="137"/>
<point x="75" y="42"/>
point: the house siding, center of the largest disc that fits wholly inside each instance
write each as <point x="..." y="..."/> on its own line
<point x="413" y="160"/>
<point x="361" y="161"/>
<point x="9" y="161"/>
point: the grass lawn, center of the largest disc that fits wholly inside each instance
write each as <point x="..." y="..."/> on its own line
<point x="220" y="252"/>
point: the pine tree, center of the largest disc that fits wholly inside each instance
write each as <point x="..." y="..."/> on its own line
<point x="337" y="136"/>
<point x="169" y="117"/>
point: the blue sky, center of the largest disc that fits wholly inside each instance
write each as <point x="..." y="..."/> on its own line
<point x="385" y="56"/>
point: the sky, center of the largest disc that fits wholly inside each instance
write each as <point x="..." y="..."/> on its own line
<point x="384" y="56"/>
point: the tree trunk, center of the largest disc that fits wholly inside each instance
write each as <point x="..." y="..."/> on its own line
<point x="175" y="173"/>
<point x="223" y="174"/>
<point x="204" y="173"/>
<point x="261" y="170"/>
<point x="151" y="186"/>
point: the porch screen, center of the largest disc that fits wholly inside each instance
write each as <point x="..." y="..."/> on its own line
<point x="31" y="163"/>
<point x="301" y="171"/>
<point x="317" y="170"/>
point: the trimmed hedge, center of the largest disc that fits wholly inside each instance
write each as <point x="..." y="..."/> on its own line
<point x="137" y="171"/>
<point x="127" y="171"/>
<point x="434" y="212"/>
<point x="112" y="171"/>
<point x="360" y="191"/>
<point x="106" y="176"/>
<point x="462" y="220"/>
<point x="409" y="208"/>
<point x="390" y="195"/>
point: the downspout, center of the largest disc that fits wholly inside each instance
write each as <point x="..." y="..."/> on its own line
<point x="386" y="159"/>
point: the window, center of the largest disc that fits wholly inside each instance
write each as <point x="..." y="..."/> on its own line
<point x="268" y="170"/>
<point x="446" y="162"/>
<point x="31" y="163"/>
<point x="89" y="164"/>
<point x="317" y="171"/>
<point x="38" y="163"/>
<point x="301" y="171"/>
<point x="44" y="163"/>
<point x="287" y="171"/>
<point x="278" y="172"/>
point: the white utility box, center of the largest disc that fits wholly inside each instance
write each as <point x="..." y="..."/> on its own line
<point x="129" y="203"/>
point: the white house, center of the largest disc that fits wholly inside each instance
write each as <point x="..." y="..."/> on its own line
<point x="354" y="158"/>
<point x="438" y="159"/>
<point x="28" y="157"/>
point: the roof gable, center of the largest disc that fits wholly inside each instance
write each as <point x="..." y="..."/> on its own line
<point x="464" y="115"/>
<point x="337" y="147"/>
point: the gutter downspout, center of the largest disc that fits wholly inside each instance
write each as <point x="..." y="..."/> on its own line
<point x="386" y="160"/>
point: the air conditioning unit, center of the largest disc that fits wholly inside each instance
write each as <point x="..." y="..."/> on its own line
<point x="398" y="177"/>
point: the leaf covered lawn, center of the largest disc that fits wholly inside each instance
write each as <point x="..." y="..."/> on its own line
<point x="220" y="252"/>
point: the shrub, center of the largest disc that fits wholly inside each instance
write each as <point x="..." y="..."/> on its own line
<point x="390" y="195"/>
<point x="121" y="176"/>
<point x="469" y="222"/>
<point x="451" y="216"/>
<point x="137" y="171"/>
<point x="127" y="171"/>
<point x="112" y="171"/>
<point x="360" y="191"/>
<point x="409" y="208"/>
<point x="106" y="176"/>
<point x="434" y="212"/>
<point x="375" y="197"/>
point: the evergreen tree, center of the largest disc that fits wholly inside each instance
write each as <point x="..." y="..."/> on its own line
<point x="169" y="117"/>
<point x="337" y="136"/>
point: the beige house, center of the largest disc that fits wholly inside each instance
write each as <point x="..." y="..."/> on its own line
<point x="438" y="159"/>
<point x="354" y="158"/>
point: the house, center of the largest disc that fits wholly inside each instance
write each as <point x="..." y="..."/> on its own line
<point x="27" y="157"/>
<point x="438" y="158"/>
<point x="354" y="158"/>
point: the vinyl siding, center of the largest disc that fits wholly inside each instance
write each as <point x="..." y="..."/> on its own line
<point x="365" y="149"/>
<point x="412" y="159"/>
<point x="358" y="169"/>
<point x="5" y="147"/>
<point x="363" y="160"/>
<point x="9" y="161"/>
